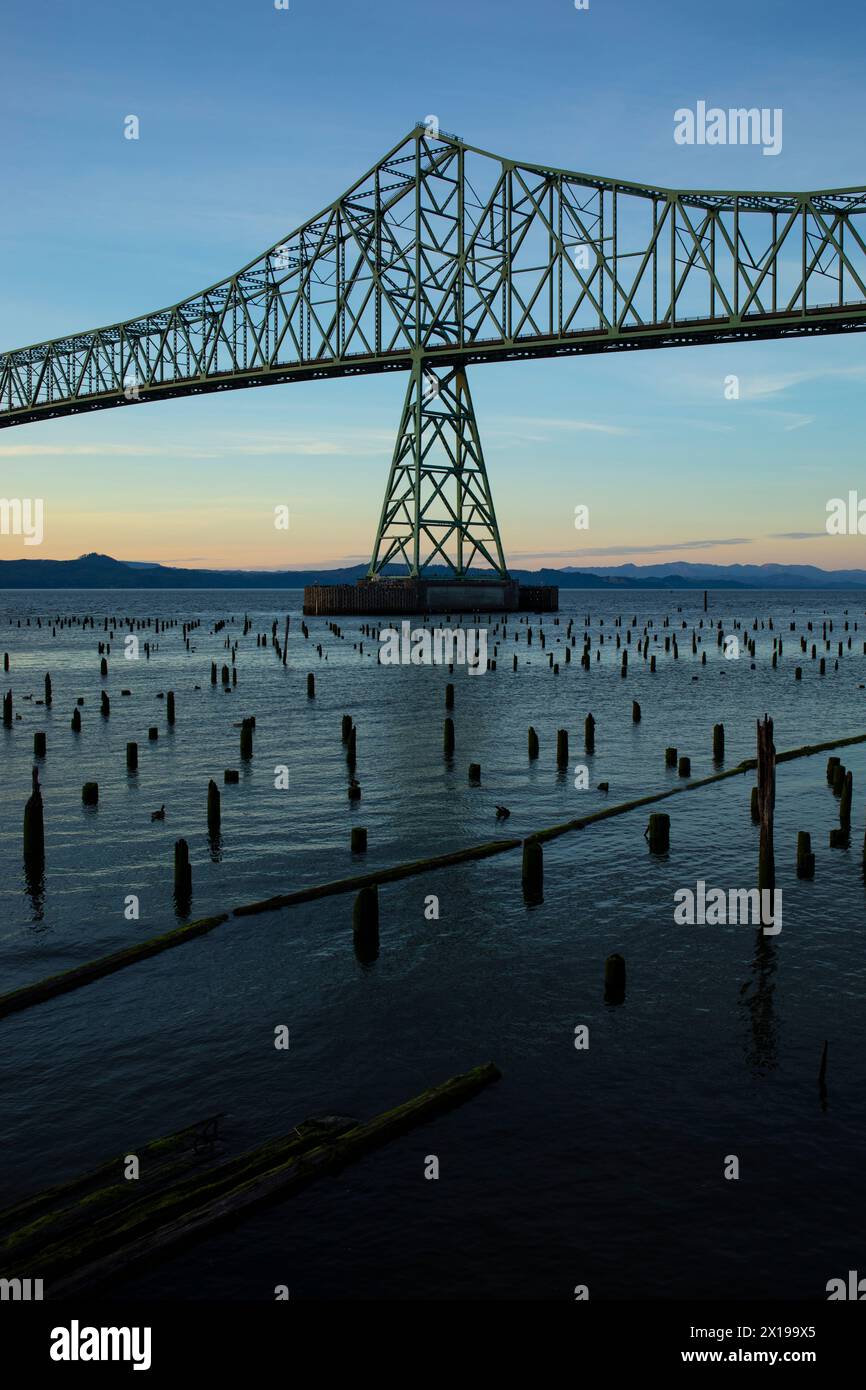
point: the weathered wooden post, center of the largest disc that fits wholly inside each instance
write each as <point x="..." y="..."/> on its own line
<point x="286" y="642"/>
<point x="448" y="738"/>
<point x="105" y="704"/>
<point x="359" y="839"/>
<point x="532" y="742"/>
<point x="845" y="803"/>
<point x="34" y="830"/>
<point x="213" y="807"/>
<point x="48" y="693"/>
<point x="7" y="710"/>
<point x="90" y="793"/>
<point x="589" y="734"/>
<point x="169" y="707"/>
<point x="614" y="979"/>
<point x="39" y="743"/>
<point x="311" y="686"/>
<point x="76" y="720"/>
<point x="635" y="712"/>
<point x="718" y="742"/>
<point x="562" y="748"/>
<point x="805" y="857"/>
<point x="475" y="773"/>
<point x="533" y="872"/>
<point x="766" y="802"/>
<point x="182" y="874"/>
<point x="247" y="739"/>
<point x="132" y="757"/>
<point x="449" y="696"/>
<point x="346" y="727"/>
<point x="684" y="767"/>
<point x="658" y="832"/>
<point x="670" y="757"/>
<point x="365" y="923"/>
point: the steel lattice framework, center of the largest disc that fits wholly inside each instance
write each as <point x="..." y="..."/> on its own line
<point x="445" y="255"/>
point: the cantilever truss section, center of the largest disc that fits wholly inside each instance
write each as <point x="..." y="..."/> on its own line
<point x="438" y="508"/>
<point x="450" y="252"/>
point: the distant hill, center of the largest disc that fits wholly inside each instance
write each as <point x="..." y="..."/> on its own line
<point x="103" y="572"/>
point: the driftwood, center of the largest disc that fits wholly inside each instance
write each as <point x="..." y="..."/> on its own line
<point x="100" y="1249"/>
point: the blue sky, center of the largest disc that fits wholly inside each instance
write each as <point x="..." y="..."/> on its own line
<point x="252" y="119"/>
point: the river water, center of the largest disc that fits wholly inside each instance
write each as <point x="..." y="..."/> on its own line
<point x="601" y="1166"/>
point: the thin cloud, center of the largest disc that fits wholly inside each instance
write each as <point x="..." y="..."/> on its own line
<point x="627" y="549"/>
<point x="795" y="535"/>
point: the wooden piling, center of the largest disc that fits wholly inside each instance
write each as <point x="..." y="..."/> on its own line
<point x="169" y="707"/>
<point x="358" y="839"/>
<point x="670" y="757"/>
<point x="805" y="857"/>
<point x="635" y="712"/>
<point x="39" y="743"/>
<point x="589" y="734"/>
<point x="684" y="767"/>
<point x="614" y="979"/>
<point x="845" y="803"/>
<point x="718" y="742"/>
<point x="365" y="923"/>
<point x="247" y="740"/>
<point x="532" y="742"/>
<point x="182" y="872"/>
<point x="311" y="686"/>
<point x="76" y="720"/>
<point x="533" y="871"/>
<point x="132" y="757"/>
<point x="34" y="830"/>
<point x="658" y="832"/>
<point x="213" y="807"/>
<point x="449" y="696"/>
<point x="475" y="773"/>
<point x="448" y="738"/>
<point x="766" y="803"/>
<point x="562" y="748"/>
<point x="90" y="793"/>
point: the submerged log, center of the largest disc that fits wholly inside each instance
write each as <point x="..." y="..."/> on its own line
<point x="275" y="1170"/>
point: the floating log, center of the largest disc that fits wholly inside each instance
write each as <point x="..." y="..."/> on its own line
<point x="207" y="1201"/>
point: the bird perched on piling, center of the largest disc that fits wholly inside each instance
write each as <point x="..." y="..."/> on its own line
<point x="158" y="815"/>
<point x="502" y="813"/>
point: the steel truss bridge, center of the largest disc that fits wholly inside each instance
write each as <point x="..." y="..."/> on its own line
<point x="443" y="256"/>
